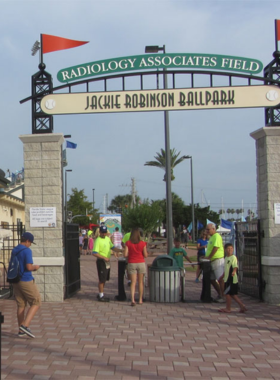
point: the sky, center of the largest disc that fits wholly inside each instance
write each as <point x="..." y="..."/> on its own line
<point x="113" y="148"/>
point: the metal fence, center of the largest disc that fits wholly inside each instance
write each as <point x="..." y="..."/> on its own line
<point x="72" y="260"/>
<point x="249" y="256"/>
<point x="7" y="244"/>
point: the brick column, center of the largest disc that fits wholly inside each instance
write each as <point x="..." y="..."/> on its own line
<point x="43" y="184"/>
<point x="268" y="190"/>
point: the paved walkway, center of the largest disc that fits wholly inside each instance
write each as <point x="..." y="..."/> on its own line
<point x="85" y="339"/>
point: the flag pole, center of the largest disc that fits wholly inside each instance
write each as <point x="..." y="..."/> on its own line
<point x="276" y="36"/>
<point x="41" y="50"/>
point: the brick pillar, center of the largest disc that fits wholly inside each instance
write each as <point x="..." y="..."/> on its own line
<point x="43" y="184"/>
<point x="268" y="190"/>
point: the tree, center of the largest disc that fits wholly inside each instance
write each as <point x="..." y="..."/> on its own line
<point x="182" y="214"/>
<point x="238" y="211"/>
<point x="121" y="202"/>
<point x="161" y="161"/>
<point x="228" y="212"/>
<point x="221" y="211"/>
<point x="146" y="216"/>
<point x="79" y="205"/>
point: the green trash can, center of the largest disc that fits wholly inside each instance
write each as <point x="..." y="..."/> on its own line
<point x="164" y="280"/>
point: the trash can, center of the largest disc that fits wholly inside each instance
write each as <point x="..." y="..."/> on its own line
<point x="164" y="280"/>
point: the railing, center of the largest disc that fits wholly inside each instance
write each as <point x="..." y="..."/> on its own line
<point x="14" y="232"/>
<point x="249" y="257"/>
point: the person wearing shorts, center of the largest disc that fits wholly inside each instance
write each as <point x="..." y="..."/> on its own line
<point x="102" y="251"/>
<point x="231" y="281"/>
<point x="26" y="291"/>
<point x="136" y="251"/>
<point x="215" y="253"/>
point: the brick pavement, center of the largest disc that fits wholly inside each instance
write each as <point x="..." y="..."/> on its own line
<point x="85" y="339"/>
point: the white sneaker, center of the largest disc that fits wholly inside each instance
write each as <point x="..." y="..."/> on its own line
<point x="219" y="299"/>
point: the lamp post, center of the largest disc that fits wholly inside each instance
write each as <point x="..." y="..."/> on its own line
<point x="66" y="171"/>
<point x="193" y="221"/>
<point x="169" y="218"/>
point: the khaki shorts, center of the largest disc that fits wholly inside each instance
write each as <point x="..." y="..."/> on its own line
<point x="27" y="293"/>
<point x="217" y="269"/>
<point x="134" y="268"/>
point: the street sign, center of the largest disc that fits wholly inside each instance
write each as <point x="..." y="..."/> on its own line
<point x="159" y="100"/>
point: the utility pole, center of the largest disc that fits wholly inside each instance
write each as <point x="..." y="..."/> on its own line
<point x="133" y="192"/>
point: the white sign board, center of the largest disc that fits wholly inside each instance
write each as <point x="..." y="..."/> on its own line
<point x="159" y="100"/>
<point x="277" y="213"/>
<point x="42" y="216"/>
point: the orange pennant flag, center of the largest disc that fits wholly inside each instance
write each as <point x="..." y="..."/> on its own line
<point x="53" y="43"/>
<point x="277" y="30"/>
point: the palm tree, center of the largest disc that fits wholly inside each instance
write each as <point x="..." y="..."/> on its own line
<point x="161" y="160"/>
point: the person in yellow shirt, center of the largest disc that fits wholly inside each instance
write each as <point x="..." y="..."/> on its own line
<point x="231" y="281"/>
<point x="102" y="251"/>
<point x="215" y="253"/>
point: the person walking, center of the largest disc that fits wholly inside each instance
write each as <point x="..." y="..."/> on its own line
<point x="215" y="253"/>
<point x="116" y="238"/>
<point x="102" y="251"/>
<point x="231" y="281"/>
<point x="85" y="245"/>
<point x="81" y="238"/>
<point x="185" y="236"/>
<point x="136" y="251"/>
<point x="90" y="244"/>
<point x="26" y="291"/>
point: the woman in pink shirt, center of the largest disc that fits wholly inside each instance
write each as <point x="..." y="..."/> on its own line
<point x="136" y="251"/>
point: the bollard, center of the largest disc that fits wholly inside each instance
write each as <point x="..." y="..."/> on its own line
<point x="121" y="271"/>
<point x="1" y="321"/>
<point x="206" y="282"/>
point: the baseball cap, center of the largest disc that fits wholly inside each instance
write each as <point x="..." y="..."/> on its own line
<point x="28" y="236"/>
<point x="103" y="229"/>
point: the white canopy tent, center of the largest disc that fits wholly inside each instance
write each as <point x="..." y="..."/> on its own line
<point x="223" y="230"/>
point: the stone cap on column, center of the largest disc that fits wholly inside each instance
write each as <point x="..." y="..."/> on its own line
<point x="43" y="137"/>
<point x="265" y="131"/>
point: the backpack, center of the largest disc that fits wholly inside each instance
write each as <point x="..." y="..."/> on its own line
<point x="14" y="275"/>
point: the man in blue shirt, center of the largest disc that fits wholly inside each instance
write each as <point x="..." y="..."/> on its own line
<point x="26" y="291"/>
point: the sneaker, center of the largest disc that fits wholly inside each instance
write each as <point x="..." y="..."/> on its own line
<point x="21" y="334"/>
<point x="128" y="283"/>
<point x="220" y="300"/>
<point x="103" y="299"/>
<point x="196" y="280"/>
<point x="27" y="331"/>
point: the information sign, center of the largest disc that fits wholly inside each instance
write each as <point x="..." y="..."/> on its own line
<point x="42" y="216"/>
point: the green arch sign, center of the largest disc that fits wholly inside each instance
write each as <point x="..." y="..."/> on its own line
<point x="160" y="61"/>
